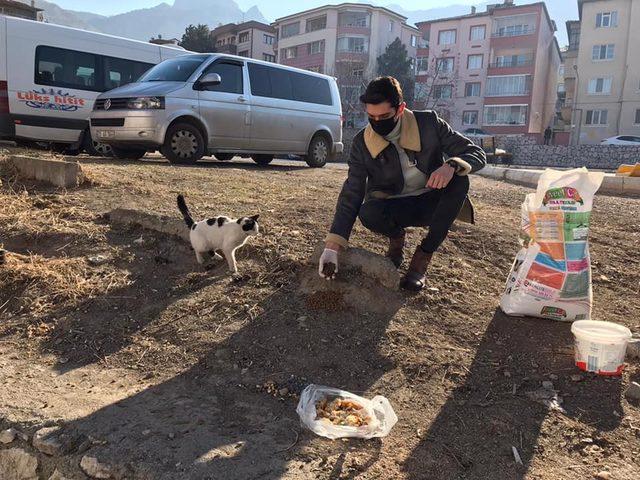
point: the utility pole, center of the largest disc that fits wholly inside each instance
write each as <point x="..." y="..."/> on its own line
<point x="576" y="131"/>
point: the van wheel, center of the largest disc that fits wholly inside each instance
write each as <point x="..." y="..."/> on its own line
<point x="183" y="144"/>
<point x="318" y="153"/>
<point x="95" y="149"/>
<point x="128" y="153"/>
<point x="262" y="160"/>
<point x="223" y="156"/>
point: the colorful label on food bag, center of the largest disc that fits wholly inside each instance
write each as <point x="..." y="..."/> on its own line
<point x="563" y="197"/>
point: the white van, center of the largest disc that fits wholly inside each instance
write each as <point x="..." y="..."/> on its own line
<point x="202" y="104"/>
<point x="50" y="76"/>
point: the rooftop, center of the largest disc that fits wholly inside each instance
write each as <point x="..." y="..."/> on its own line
<point x="344" y="6"/>
<point x="19" y="5"/>
<point x="236" y="27"/>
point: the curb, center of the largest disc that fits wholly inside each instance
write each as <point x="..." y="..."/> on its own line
<point x="623" y="186"/>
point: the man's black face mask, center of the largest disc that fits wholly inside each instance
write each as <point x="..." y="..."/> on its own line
<point x="383" y="127"/>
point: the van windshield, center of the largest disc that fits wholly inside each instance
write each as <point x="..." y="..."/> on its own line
<point x="177" y="69"/>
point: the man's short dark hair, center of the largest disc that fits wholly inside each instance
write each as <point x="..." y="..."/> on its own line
<point x="383" y="89"/>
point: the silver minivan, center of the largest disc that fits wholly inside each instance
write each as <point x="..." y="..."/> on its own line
<point x="202" y="104"/>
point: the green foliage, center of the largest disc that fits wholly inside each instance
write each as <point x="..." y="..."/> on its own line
<point x="395" y="62"/>
<point x="197" y="39"/>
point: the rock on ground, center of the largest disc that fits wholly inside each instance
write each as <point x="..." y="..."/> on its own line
<point x="633" y="391"/>
<point x="633" y="348"/>
<point x="7" y="436"/>
<point x="92" y="467"/>
<point x="18" y="464"/>
<point x="56" y="475"/>
<point x="53" y="441"/>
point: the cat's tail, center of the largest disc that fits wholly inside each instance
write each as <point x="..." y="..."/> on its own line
<point x="182" y="206"/>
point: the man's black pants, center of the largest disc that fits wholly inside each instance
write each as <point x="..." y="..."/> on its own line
<point x="436" y="209"/>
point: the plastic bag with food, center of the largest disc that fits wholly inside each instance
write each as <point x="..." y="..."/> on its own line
<point x="551" y="275"/>
<point x="334" y="413"/>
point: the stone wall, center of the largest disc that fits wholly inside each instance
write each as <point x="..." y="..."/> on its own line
<point x="607" y="157"/>
<point x="527" y="152"/>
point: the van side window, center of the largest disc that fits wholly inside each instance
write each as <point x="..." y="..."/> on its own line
<point x="311" y="89"/>
<point x="259" y="78"/>
<point x="275" y="82"/>
<point x="231" y="75"/>
<point x="119" y="72"/>
<point x="60" y="67"/>
<point x="66" y="68"/>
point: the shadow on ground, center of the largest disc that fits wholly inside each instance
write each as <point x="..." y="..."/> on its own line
<point x="473" y="433"/>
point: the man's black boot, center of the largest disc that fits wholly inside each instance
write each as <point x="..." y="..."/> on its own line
<point x="396" y="250"/>
<point x="415" y="279"/>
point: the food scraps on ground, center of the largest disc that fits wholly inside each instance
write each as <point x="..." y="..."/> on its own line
<point x="329" y="270"/>
<point x="340" y="411"/>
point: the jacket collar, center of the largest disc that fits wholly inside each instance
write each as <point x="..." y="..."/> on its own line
<point x="409" y="136"/>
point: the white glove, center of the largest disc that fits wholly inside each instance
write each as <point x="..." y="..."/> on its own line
<point x="328" y="266"/>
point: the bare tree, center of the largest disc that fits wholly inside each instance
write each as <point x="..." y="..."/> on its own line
<point x="352" y="79"/>
<point x="437" y="82"/>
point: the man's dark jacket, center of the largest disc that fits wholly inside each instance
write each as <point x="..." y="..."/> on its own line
<point x="375" y="170"/>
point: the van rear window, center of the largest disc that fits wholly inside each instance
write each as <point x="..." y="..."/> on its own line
<point x="60" y="67"/>
<point x="285" y="84"/>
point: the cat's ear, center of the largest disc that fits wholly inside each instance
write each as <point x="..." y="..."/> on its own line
<point x="255" y="217"/>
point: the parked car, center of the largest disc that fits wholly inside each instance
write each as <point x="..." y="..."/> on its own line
<point x="50" y="76"/>
<point x="478" y="132"/>
<point x="225" y="105"/>
<point x="622" y="140"/>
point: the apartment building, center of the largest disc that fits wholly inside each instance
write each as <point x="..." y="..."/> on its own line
<point x="496" y="70"/>
<point x="345" y="41"/>
<point x="13" y="8"/>
<point x="249" y="39"/>
<point x="605" y="83"/>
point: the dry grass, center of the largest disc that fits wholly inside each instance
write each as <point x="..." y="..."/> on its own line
<point x="42" y="283"/>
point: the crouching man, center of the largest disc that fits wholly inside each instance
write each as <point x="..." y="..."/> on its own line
<point x="410" y="169"/>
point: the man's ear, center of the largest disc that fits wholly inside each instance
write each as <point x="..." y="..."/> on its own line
<point x="401" y="108"/>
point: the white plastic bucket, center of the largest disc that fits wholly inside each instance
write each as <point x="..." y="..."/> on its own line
<point x="600" y="347"/>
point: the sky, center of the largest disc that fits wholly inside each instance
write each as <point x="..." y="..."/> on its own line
<point x="269" y="8"/>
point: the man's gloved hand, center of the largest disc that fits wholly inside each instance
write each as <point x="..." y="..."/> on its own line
<point x="328" y="266"/>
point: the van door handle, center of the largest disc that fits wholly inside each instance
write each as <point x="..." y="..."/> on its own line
<point x="242" y="99"/>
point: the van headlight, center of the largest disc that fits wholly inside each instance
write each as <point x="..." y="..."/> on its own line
<point x="145" y="103"/>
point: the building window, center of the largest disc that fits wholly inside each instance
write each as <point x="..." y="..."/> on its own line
<point x="243" y="53"/>
<point x="442" y="92"/>
<point x="288" y="53"/>
<point x="472" y="89"/>
<point x="607" y="20"/>
<point x="316" y="47"/>
<point x="474" y="62"/>
<point x="357" y="73"/>
<point x="352" y="45"/>
<point x="268" y="39"/>
<point x="603" y="52"/>
<point x="508" y="61"/>
<point x="508" y="85"/>
<point x="290" y="30"/>
<point x="267" y="57"/>
<point x="505" y="115"/>
<point x="318" y="23"/>
<point x="470" y="117"/>
<point x="243" y="37"/>
<point x="391" y="22"/>
<point x="600" y="86"/>
<point x="514" y="30"/>
<point x="414" y="41"/>
<point x="446" y="37"/>
<point x="637" y="122"/>
<point x="596" y="117"/>
<point x="353" y="19"/>
<point x="477" y="33"/>
<point x="444" y="65"/>
<point x="422" y="65"/>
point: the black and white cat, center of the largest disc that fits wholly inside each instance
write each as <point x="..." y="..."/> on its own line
<point x="218" y="234"/>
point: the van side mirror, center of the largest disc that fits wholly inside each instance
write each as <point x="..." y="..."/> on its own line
<point x="208" y="80"/>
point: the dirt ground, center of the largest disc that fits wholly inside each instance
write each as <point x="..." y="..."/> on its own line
<point x="176" y="372"/>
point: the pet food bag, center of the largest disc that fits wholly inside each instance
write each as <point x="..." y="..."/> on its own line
<point x="551" y="274"/>
<point x="370" y="418"/>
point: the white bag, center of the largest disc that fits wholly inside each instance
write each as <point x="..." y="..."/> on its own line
<point x="551" y="275"/>
<point x="383" y="418"/>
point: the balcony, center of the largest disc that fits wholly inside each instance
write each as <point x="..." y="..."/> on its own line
<point x="229" y="48"/>
<point x="514" y="31"/>
<point x="513" y="63"/>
